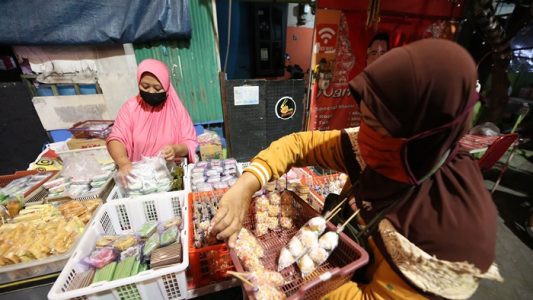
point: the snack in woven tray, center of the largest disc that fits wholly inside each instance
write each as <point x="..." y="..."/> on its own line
<point x="318" y="254"/>
<point x="268" y="292"/>
<point x="304" y="240"/>
<point x="266" y="282"/>
<point x="270" y="214"/>
<point x="267" y="277"/>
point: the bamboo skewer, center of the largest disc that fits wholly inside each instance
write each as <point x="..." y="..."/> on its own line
<point x="328" y="214"/>
<point x="341" y="228"/>
<point x="241" y="277"/>
<point x="333" y="213"/>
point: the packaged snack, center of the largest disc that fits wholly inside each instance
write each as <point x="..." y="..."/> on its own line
<point x="101" y="177"/>
<point x="106" y="273"/>
<point x="124" y="242"/>
<point x="166" y="256"/>
<point x="202" y="164"/>
<point x="213" y="180"/>
<point x="204" y="187"/>
<point x="176" y="221"/>
<point x="105" y="240"/>
<point x="147" y="229"/>
<point x="169" y="236"/>
<point x="136" y="266"/>
<point x="220" y="185"/>
<point x="151" y="244"/>
<point x="97" y="184"/>
<point x="81" y="280"/>
<point x="124" y="268"/>
<point x="101" y="257"/>
<point x="134" y="251"/>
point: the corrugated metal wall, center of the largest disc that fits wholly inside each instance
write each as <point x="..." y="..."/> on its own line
<point x="194" y="64"/>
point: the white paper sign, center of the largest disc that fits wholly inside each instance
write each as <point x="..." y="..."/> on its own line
<point x="246" y="95"/>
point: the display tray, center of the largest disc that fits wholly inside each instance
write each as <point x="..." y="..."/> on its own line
<point x="92" y="129"/>
<point x="338" y="269"/>
<point x="101" y="193"/>
<point x="40" y="267"/>
<point x="37" y="193"/>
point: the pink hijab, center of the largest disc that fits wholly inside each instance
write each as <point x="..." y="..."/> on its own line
<point x="144" y="129"/>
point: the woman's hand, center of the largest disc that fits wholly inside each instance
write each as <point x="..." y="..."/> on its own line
<point x="169" y="153"/>
<point x="233" y="208"/>
<point x="123" y="173"/>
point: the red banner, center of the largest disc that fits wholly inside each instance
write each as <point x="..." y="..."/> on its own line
<point x="332" y="106"/>
<point x="343" y="46"/>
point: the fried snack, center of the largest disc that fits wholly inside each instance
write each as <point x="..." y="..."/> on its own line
<point x="124" y="242"/>
<point x="106" y="240"/>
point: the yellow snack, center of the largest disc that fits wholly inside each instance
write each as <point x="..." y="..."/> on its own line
<point x="124" y="242"/>
<point x="106" y="240"/>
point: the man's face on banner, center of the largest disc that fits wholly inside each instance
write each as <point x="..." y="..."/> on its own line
<point x="377" y="49"/>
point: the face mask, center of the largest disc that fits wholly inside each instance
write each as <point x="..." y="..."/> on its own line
<point x="388" y="155"/>
<point x="382" y="153"/>
<point x="153" y="99"/>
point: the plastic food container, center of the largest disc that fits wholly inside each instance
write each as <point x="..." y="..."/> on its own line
<point x="35" y="268"/>
<point x="99" y="129"/>
<point x="37" y="193"/>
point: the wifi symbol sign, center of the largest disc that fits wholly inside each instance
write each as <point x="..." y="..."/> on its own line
<point x="326" y="34"/>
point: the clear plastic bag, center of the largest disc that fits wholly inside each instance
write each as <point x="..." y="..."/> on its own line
<point x="149" y="175"/>
<point x="485" y="129"/>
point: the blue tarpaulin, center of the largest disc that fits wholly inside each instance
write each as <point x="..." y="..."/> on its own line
<point x="75" y="22"/>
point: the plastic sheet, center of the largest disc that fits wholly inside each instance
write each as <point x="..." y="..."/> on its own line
<point x="57" y="22"/>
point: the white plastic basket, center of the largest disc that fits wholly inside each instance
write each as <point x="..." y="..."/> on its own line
<point x="121" y="217"/>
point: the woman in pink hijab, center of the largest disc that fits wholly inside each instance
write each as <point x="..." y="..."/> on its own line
<point x="153" y="121"/>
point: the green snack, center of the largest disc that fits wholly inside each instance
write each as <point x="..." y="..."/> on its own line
<point x="143" y="268"/>
<point x="135" y="269"/>
<point x="106" y="273"/>
<point x="147" y="229"/>
<point x="169" y="236"/>
<point x="124" y="268"/>
<point x="151" y="244"/>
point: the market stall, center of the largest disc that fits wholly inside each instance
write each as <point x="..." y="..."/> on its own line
<point x="86" y="235"/>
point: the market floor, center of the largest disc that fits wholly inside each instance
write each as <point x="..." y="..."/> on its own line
<point x="514" y="248"/>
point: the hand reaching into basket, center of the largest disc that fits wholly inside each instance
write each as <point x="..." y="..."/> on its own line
<point x="233" y="208"/>
<point x="124" y="171"/>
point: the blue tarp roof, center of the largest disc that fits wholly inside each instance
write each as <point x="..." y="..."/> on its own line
<point x="75" y="22"/>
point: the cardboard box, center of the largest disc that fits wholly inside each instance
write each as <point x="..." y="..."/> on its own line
<point x="74" y="143"/>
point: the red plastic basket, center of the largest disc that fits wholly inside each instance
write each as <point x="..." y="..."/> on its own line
<point x="337" y="270"/>
<point x="82" y="130"/>
<point x="36" y="193"/>
<point x="209" y="264"/>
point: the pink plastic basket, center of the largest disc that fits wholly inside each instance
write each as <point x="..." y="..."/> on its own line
<point x="337" y="270"/>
